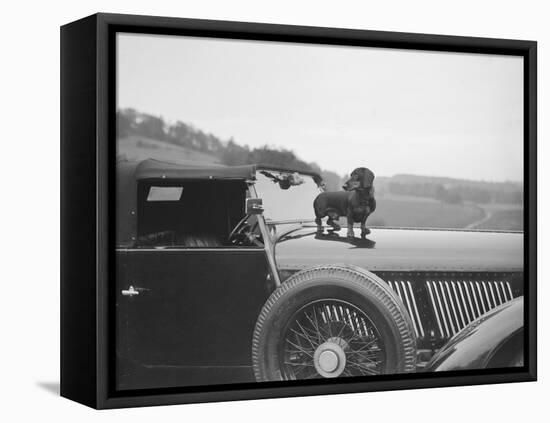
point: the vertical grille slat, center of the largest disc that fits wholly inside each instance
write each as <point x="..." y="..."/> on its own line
<point x="447" y="309"/>
<point x="481" y="298"/>
<point x="466" y="311"/>
<point x="451" y="301"/>
<point x="489" y="306"/>
<point x="503" y="290"/>
<point x="406" y="294"/>
<point x="440" y="302"/>
<point x="406" y="303"/>
<point x="416" y="315"/>
<point x="398" y="292"/>
<point x="441" y="310"/>
<point x="498" y="293"/>
<point x="493" y="294"/>
<point x="435" y="309"/>
<point x="509" y="290"/>
<point x="459" y="304"/>
<point x="469" y="297"/>
<point x="456" y="303"/>
<point x="476" y="302"/>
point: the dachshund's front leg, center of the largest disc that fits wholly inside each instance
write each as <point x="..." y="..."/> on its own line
<point x="350" y="226"/>
<point x="364" y="230"/>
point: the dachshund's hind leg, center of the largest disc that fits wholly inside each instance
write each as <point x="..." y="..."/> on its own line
<point x="319" y="223"/>
<point x="350" y="227"/>
<point x="332" y="221"/>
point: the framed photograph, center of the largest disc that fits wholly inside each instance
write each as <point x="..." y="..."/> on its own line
<point x="253" y="210"/>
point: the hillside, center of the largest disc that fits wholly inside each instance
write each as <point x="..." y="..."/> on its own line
<point x="403" y="199"/>
<point x="135" y="147"/>
<point x="142" y="135"/>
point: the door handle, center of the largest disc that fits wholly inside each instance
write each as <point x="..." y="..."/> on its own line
<point x="130" y="292"/>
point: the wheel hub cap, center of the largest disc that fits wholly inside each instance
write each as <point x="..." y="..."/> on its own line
<point x="328" y="361"/>
<point x="330" y="358"/>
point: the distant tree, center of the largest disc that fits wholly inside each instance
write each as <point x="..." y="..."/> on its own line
<point x="151" y="127"/>
<point x="126" y="122"/>
<point x="233" y="154"/>
<point x="440" y="192"/>
<point x="509" y="197"/>
<point x="473" y="194"/>
<point x="279" y="158"/>
<point x="180" y="134"/>
<point x="453" y="196"/>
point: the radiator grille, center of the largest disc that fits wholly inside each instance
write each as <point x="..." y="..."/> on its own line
<point x="404" y="290"/>
<point x="456" y="303"/>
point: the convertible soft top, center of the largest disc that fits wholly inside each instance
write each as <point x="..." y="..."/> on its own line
<point x="129" y="173"/>
<point x="155" y="169"/>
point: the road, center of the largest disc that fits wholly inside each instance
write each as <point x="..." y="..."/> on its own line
<point x="485" y="218"/>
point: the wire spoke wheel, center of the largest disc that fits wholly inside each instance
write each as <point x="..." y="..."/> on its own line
<point x="331" y="338"/>
<point x="332" y="321"/>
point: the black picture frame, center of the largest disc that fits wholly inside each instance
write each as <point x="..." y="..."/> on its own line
<point x="87" y="202"/>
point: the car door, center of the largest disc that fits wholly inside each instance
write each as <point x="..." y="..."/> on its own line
<point x="185" y="307"/>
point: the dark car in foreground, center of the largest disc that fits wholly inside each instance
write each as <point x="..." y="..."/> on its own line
<point x="223" y="278"/>
<point x="495" y="340"/>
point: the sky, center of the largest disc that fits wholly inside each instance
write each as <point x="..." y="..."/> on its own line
<point x="394" y="111"/>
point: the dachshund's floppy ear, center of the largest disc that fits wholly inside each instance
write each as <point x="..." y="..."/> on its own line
<point x="368" y="178"/>
<point x="355" y="173"/>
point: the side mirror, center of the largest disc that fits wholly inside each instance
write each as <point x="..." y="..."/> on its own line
<point x="254" y="206"/>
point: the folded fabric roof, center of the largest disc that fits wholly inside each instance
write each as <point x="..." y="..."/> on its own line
<point x="152" y="169"/>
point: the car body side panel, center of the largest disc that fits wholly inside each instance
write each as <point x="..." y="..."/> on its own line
<point x="195" y="307"/>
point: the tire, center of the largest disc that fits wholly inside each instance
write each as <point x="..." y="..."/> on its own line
<point x="332" y="321"/>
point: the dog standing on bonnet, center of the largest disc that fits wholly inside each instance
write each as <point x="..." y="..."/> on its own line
<point x="356" y="202"/>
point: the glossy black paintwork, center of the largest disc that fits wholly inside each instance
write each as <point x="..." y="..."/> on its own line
<point x="404" y="250"/>
<point x="476" y="345"/>
<point x="195" y="308"/>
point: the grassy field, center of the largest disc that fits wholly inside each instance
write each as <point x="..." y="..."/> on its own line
<point x="396" y="210"/>
<point x="407" y="211"/>
<point x="392" y="210"/>
<point x="139" y="148"/>
<point x="503" y="219"/>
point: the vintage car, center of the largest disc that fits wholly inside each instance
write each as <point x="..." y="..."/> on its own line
<point x="223" y="278"/>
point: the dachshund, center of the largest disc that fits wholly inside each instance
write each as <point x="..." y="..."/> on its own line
<point x="356" y="202"/>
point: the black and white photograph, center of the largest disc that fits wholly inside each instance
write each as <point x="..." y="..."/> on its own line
<point x="289" y="211"/>
<point x="275" y="212"/>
